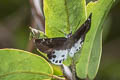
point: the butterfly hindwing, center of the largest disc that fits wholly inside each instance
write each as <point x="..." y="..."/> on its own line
<point x="76" y="47"/>
<point x="53" y="47"/>
<point x="59" y="56"/>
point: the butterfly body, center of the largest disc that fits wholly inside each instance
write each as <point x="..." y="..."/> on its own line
<point x="57" y="49"/>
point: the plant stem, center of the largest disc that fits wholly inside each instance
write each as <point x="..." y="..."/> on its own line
<point x="73" y="70"/>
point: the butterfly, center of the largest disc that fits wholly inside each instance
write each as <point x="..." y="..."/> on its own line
<point x="57" y="49"/>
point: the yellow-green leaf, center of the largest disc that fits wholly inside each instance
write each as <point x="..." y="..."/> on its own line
<point x="21" y="65"/>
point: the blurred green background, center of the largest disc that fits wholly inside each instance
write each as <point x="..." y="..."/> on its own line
<point x="15" y="19"/>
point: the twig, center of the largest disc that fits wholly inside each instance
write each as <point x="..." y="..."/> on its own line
<point x="38" y="15"/>
<point x="73" y="69"/>
<point x="38" y="19"/>
<point x="67" y="72"/>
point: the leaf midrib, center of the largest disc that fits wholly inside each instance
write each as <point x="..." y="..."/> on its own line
<point x="67" y="14"/>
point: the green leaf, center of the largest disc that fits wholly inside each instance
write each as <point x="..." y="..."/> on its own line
<point x="57" y="70"/>
<point x="95" y="56"/>
<point x="22" y="65"/>
<point x="91" y="52"/>
<point x="62" y="16"/>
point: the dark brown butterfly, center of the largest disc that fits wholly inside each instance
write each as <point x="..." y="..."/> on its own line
<point x="57" y="49"/>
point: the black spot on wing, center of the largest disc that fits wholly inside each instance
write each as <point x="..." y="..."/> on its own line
<point x="63" y="56"/>
<point x="54" y="56"/>
<point x="60" y="61"/>
<point x="53" y="60"/>
<point x="56" y="61"/>
<point x="76" y="49"/>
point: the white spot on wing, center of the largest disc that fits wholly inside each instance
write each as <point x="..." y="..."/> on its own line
<point x="76" y="47"/>
<point x="59" y="57"/>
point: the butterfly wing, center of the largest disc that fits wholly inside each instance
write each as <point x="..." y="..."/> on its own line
<point x="54" y="49"/>
<point x="81" y="32"/>
<point x="79" y="36"/>
<point x="45" y="45"/>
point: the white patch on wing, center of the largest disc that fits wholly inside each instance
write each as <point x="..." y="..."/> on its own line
<point x="59" y="56"/>
<point x="76" y="47"/>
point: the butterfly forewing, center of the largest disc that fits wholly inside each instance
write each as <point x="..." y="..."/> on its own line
<point x="50" y="43"/>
